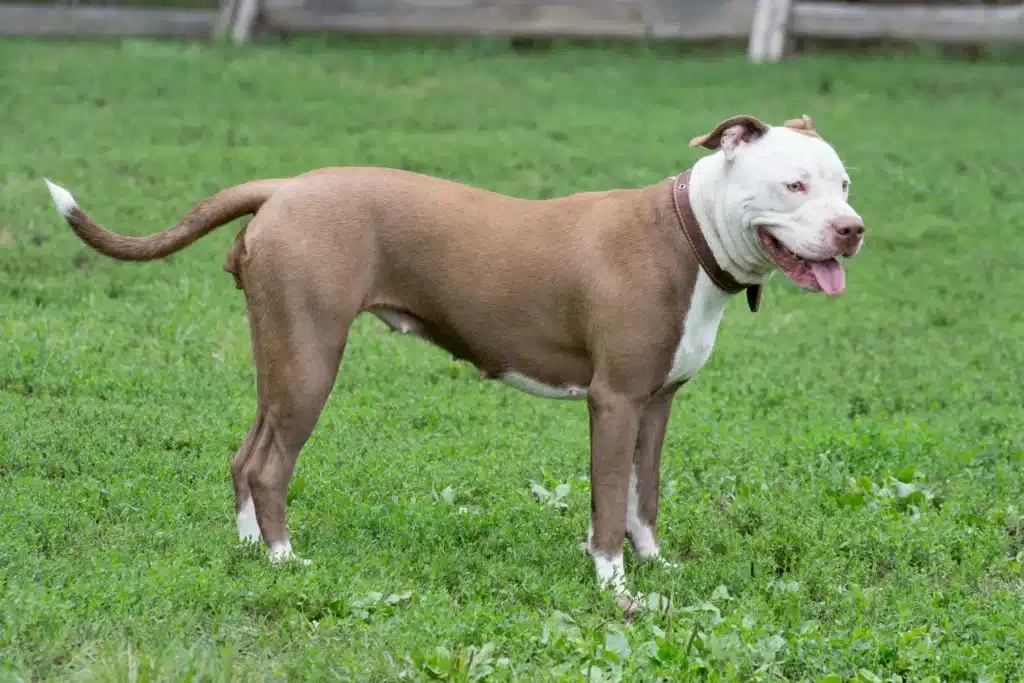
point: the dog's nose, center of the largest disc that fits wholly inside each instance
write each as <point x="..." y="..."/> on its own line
<point x="848" y="226"/>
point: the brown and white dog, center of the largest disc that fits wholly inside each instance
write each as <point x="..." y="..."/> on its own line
<point x="612" y="297"/>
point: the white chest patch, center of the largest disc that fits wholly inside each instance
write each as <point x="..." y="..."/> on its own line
<point x="532" y="386"/>
<point x="699" y="329"/>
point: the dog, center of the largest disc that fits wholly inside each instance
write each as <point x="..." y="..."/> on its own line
<point x="610" y="297"/>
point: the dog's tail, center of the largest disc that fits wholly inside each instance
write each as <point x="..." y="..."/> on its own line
<point x="207" y="215"/>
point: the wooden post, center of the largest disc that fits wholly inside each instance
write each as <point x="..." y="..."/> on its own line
<point x="769" y="30"/>
<point x="245" y="20"/>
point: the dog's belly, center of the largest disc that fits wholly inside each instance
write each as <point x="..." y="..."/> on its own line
<point x="555" y="366"/>
<point x="536" y="388"/>
<point x="700" y="328"/>
<point x="400" y="321"/>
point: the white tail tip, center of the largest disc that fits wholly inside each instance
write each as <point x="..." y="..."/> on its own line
<point x="62" y="199"/>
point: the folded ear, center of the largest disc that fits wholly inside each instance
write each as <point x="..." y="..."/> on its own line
<point x="804" y="124"/>
<point x="730" y="134"/>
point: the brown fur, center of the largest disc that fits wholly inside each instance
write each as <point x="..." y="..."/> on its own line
<point x="589" y="289"/>
<point x="804" y="125"/>
<point x="713" y="139"/>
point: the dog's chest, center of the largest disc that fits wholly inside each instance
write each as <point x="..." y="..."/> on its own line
<point x="700" y="328"/>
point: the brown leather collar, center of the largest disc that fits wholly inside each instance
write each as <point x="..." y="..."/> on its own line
<point x="700" y="247"/>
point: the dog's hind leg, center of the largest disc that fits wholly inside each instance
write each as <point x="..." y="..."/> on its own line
<point x="299" y="333"/>
<point x="248" y="528"/>
<point x="306" y="276"/>
<point x="297" y="376"/>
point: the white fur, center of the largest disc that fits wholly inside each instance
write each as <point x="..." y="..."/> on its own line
<point x="644" y="542"/>
<point x="248" y="528"/>
<point x="532" y="386"/>
<point x="700" y="329"/>
<point x="62" y="199"/>
<point x="281" y="551"/>
<point x="611" y="572"/>
<point x="731" y="198"/>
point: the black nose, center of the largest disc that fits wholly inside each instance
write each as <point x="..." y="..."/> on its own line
<point x="848" y="226"/>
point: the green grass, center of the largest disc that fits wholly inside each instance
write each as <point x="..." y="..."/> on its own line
<point x="843" y="481"/>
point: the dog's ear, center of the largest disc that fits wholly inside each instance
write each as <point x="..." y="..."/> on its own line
<point x="730" y="134"/>
<point x="804" y="125"/>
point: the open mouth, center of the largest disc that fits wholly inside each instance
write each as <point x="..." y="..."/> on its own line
<point x="825" y="276"/>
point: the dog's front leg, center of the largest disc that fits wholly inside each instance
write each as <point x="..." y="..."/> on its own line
<point x="645" y="478"/>
<point x="614" y="422"/>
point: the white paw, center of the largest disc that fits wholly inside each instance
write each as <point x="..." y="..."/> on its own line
<point x="610" y="570"/>
<point x="281" y="553"/>
<point x="248" y="528"/>
<point x="611" y="574"/>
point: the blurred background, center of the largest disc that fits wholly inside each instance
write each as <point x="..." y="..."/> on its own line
<point x="772" y="27"/>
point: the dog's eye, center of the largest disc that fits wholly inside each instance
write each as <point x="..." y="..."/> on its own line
<point x="796" y="186"/>
<point x="846" y="185"/>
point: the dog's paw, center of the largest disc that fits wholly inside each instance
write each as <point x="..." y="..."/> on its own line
<point x="611" y="577"/>
<point x="281" y="553"/>
<point x="283" y="560"/>
<point x="632" y="604"/>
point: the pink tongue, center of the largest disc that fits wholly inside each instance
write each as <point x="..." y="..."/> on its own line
<point x="830" y="276"/>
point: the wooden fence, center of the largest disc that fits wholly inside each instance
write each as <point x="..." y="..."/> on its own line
<point x="768" y="25"/>
<point x="775" y="21"/>
<point x="182" y="18"/>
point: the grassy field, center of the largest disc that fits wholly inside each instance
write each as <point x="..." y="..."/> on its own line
<point x="843" y="482"/>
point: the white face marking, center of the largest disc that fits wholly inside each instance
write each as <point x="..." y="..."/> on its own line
<point x="62" y="199"/>
<point x="792" y="184"/>
<point x="700" y="329"/>
<point x="248" y="528"/>
<point x="532" y="386"/>
<point x="640" y="533"/>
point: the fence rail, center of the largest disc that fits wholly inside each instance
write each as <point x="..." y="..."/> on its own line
<point x="768" y="25"/>
<point x="621" y="19"/>
<point x="947" y="24"/>
<point x="103" y="20"/>
<point x="775" y="21"/>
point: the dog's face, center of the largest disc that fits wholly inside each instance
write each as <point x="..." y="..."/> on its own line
<point x="788" y="188"/>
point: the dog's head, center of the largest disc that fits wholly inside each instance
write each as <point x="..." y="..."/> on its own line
<point x="788" y="187"/>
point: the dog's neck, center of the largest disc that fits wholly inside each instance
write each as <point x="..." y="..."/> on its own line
<point x="736" y="247"/>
